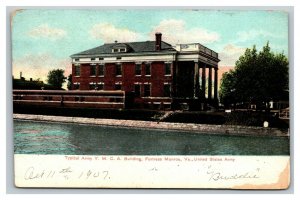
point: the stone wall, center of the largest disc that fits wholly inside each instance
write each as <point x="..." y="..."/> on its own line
<point x="186" y="127"/>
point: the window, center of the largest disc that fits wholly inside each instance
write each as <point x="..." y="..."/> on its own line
<point x="92" y="59"/>
<point x="138" y="69"/>
<point x="148" y="69"/>
<point x="76" y="59"/>
<point x="92" y="86"/>
<point x="167" y="90"/>
<point x="137" y="90"/>
<point x="118" y="87"/>
<point x="167" y="68"/>
<point x="100" y="86"/>
<point x="101" y="58"/>
<point x="93" y="70"/>
<point x="147" y="90"/>
<point x="101" y="70"/>
<point x="119" y="49"/>
<point x="77" y="70"/>
<point x="76" y="86"/>
<point x="118" y="70"/>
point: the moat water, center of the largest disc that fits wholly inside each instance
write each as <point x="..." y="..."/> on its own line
<point x="32" y="137"/>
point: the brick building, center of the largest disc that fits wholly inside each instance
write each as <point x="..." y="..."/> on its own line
<point x="156" y="73"/>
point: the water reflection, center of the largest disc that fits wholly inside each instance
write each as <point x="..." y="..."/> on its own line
<point x="56" y="138"/>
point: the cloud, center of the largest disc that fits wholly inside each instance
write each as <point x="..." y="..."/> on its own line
<point x="243" y="36"/>
<point x="109" y="33"/>
<point x="38" y="65"/>
<point x="175" y="31"/>
<point x="230" y="54"/>
<point x="45" y="31"/>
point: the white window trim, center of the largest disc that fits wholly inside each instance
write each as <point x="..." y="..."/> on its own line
<point x="119" y="50"/>
<point x="146" y="83"/>
<point x="119" y="83"/>
<point x="138" y="63"/>
<point x="101" y="83"/>
<point x="121" y="70"/>
<point x="93" y="83"/>
<point x="101" y="64"/>
<point x="168" y="75"/>
<point x="77" y="83"/>
<point x="77" y="65"/>
<point x="93" y="64"/>
<point x="148" y="75"/>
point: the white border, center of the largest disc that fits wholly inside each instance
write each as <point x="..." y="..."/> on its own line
<point x="4" y="85"/>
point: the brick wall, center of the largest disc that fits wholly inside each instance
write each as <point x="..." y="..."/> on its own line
<point x="128" y="78"/>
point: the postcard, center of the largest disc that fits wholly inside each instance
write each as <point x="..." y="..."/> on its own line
<point x="151" y="98"/>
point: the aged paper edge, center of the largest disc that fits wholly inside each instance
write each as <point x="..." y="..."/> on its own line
<point x="105" y="171"/>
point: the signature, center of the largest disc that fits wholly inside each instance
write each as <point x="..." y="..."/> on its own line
<point x="67" y="173"/>
<point x="217" y="175"/>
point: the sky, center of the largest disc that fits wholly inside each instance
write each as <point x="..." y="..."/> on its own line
<point x="43" y="40"/>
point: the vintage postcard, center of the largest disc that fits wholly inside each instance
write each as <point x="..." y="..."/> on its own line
<point x="151" y="98"/>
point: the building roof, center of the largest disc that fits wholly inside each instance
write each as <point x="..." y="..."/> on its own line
<point x="135" y="47"/>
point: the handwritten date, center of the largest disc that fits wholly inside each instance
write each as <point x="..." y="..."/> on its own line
<point x="67" y="173"/>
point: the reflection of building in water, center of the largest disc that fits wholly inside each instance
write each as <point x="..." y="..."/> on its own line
<point x="157" y="74"/>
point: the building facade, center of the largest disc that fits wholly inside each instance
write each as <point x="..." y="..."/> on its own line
<point x="156" y="73"/>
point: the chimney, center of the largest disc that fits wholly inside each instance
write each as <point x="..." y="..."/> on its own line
<point x="157" y="41"/>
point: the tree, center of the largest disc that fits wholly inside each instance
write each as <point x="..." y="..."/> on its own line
<point x="56" y="78"/>
<point x="70" y="84"/>
<point x="227" y="88"/>
<point x="257" y="78"/>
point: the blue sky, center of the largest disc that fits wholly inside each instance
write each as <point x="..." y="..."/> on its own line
<point x="44" y="39"/>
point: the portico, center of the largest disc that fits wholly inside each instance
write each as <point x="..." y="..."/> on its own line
<point x="197" y="74"/>
<point x="208" y="85"/>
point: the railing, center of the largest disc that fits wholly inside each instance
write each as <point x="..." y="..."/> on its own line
<point x="208" y="51"/>
<point x="76" y="99"/>
<point x="196" y="47"/>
